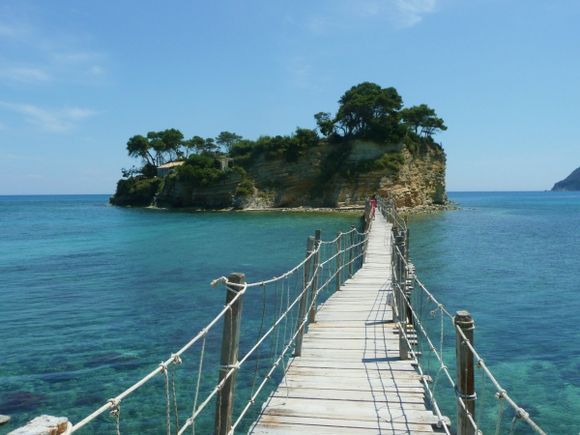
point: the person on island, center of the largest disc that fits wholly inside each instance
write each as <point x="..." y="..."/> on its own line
<point x="373" y="206"/>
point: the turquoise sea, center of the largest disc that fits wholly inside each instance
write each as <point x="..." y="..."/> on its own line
<point x="92" y="297"/>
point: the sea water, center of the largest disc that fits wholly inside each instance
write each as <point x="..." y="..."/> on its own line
<point x="513" y="261"/>
<point x="93" y="297"/>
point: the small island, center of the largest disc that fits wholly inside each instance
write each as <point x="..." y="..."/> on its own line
<point x="569" y="184"/>
<point x="373" y="144"/>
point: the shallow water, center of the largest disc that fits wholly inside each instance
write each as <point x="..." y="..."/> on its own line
<point x="513" y="261"/>
<point x="93" y="297"/>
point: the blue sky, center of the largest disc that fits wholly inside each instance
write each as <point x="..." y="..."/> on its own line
<point x="77" y="79"/>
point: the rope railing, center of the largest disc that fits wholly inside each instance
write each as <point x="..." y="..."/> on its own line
<point x="289" y="301"/>
<point x="405" y="281"/>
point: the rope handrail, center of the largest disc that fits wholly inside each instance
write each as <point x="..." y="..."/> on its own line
<point x="340" y="234"/>
<point x="163" y="366"/>
<point x="519" y="411"/>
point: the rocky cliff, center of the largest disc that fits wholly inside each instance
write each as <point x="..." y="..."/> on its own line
<point x="570" y="183"/>
<point x="326" y="175"/>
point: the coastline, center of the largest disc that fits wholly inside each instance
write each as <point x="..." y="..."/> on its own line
<point x="417" y="210"/>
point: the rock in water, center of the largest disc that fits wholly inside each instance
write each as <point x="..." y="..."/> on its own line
<point x="44" y="425"/>
<point x="568" y="184"/>
<point x="4" y="419"/>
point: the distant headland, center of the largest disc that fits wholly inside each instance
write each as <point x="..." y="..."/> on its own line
<point x="371" y="145"/>
<point x="570" y="183"/>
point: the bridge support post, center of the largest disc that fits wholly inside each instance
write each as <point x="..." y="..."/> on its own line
<point x="302" y="314"/>
<point x="338" y="259"/>
<point x="229" y="356"/>
<point x="351" y="251"/>
<point x="465" y="373"/>
<point x="395" y="278"/>
<point x="316" y="273"/>
<point x="403" y="348"/>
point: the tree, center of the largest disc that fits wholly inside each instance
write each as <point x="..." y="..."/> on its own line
<point x="306" y="137"/>
<point x="369" y="110"/>
<point x="422" y="120"/>
<point x="325" y="123"/>
<point x="139" y="146"/>
<point x="227" y="140"/>
<point x="209" y="145"/>
<point x="172" y="139"/>
<point x="196" y="143"/>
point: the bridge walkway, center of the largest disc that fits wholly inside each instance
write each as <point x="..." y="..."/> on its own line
<point x="350" y="378"/>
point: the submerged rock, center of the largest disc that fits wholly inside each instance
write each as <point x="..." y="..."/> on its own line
<point x="19" y="401"/>
<point x="4" y="419"/>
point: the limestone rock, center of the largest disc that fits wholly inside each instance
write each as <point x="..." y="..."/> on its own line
<point x="44" y="425"/>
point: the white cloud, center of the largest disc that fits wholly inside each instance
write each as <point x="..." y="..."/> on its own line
<point x="407" y="13"/>
<point x="32" y="56"/>
<point x="54" y="120"/>
<point x="24" y="74"/>
<point x="341" y="15"/>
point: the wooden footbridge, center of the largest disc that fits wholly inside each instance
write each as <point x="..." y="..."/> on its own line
<point x="348" y="352"/>
<point x="350" y="377"/>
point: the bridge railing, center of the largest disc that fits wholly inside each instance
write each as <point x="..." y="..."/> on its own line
<point x="421" y="320"/>
<point x="229" y="389"/>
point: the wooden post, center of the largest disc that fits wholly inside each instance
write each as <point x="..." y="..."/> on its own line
<point x="304" y="298"/>
<point x="316" y="272"/>
<point x="465" y="373"/>
<point x="408" y="295"/>
<point x="395" y="279"/>
<point x="403" y="348"/>
<point x="229" y="356"/>
<point x="350" y="251"/>
<point x="338" y="260"/>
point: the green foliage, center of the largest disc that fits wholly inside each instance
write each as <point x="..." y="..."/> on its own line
<point x="389" y="161"/>
<point x="139" y="147"/>
<point x="245" y="187"/>
<point x="369" y="111"/>
<point x="227" y="140"/>
<point x="136" y="191"/>
<point x="149" y="171"/>
<point x="325" y="123"/>
<point x="199" y="170"/>
<point x="422" y="120"/>
<point x="274" y="147"/>
<point x="157" y="148"/>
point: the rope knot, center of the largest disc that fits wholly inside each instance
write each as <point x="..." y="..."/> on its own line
<point x="115" y="405"/>
<point x="163" y="367"/>
<point x="522" y="414"/>
<point x="500" y="394"/>
<point x="220" y="280"/>
<point x="176" y="359"/>
<point x="480" y="363"/>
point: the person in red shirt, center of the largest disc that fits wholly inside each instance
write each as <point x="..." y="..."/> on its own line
<point x="373" y="206"/>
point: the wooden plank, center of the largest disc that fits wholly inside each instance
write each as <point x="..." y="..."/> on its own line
<point x="342" y="394"/>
